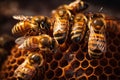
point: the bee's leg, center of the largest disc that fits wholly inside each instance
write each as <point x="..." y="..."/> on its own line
<point x="85" y="41"/>
<point x="31" y="32"/>
<point x="27" y="34"/>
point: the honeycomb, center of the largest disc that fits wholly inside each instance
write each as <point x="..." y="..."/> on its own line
<point x="13" y="61"/>
<point x="16" y="58"/>
<point x="72" y="62"/>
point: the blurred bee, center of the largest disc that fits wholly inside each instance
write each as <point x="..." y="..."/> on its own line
<point x="61" y="24"/>
<point x="29" y="25"/>
<point x="6" y="41"/>
<point x="77" y="6"/>
<point x="43" y="42"/>
<point x="97" y="37"/>
<point x="112" y="24"/>
<point x="79" y="27"/>
<point x="28" y="69"/>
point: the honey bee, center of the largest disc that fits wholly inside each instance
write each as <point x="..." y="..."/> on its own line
<point x="77" y="6"/>
<point x="31" y="25"/>
<point x="63" y="17"/>
<point x="61" y="24"/>
<point x="97" y="37"/>
<point x="112" y="24"/>
<point x="28" y="68"/>
<point x="43" y="42"/>
<point x="79" y="27"/>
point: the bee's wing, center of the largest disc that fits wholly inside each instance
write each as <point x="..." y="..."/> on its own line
<point x="22" y="17"/>
<point x="20" y="40"/>
<point x="27" y="43"/>
<point x="100" y="41"/>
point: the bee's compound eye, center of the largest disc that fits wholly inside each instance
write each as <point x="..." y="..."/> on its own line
<point x="53" y="44"/>
<point x="76" y="39"/>
<point x="45" y="41"/>
<point x="35" y="59"/>
<point x="44" y="25"/>
<point x="82" y="6"/>
<point x="98" y="24"/>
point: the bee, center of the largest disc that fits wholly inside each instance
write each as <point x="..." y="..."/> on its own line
<point x="79" y="27"/>
<point x="77" y="6"/>
<point x="97" y="37"/>
<point x="63" y="17"/>
<point x="28" y="69"/>
<point x="43" y="42"/>
<point x="61" y="24"/>
<point x="112" y="24"/>
<point x="6" y="41"/>
<point x="29" y="25"/>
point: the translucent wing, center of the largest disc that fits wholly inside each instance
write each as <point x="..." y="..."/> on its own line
<point x="22" y="17"/>
<point x="101" y="43"/>
<point x="29" y="43"/>
<point x="98" y="40"/>
<point x="20" y="40"/>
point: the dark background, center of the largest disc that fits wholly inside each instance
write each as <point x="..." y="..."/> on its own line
<point x="8" y="8"/>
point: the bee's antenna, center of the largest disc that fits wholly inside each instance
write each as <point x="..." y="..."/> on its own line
<point x="101" y="9"/>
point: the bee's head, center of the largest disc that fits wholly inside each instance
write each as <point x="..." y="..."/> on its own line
<point x="36" y="59"/>
<point x="98" y="24"/>
<point x="98" y="21"/>
<point x="78" y="5"/>
<point x="82" y="6"/>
